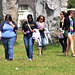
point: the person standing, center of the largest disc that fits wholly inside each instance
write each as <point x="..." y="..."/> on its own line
<point x="41" y="25"/>
<point x="7" y="34"/>
<point x="69" y="26"/>
<point x="27" y="30"/>
<point x="63" y="41"/>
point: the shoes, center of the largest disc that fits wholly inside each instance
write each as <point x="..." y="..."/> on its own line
<point x="63" y="51"/>
<point x="39" y="54"/>
<point x="29" y="59"/>
<point x="6" y="59"/>
<point x="73" y="55"/>
<point x="66" y="55"/>
<point x="10" y="59"/>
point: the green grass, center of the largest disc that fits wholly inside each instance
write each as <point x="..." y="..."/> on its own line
<point x="52" y="62"/>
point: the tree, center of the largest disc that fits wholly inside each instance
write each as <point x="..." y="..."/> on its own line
<point x="71" y="4"/>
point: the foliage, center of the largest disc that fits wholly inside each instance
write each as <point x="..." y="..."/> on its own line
<point x="71" y="4"/>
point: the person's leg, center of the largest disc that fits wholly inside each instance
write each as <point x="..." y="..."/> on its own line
<point x="11" y="42"/>
<point x="65" y="43"/>
<point x="5" y="44"/>
<point x="67" y="49"/>
<point x="70" y="37"/>
<point x="43" y="41"/>
<point x="26" y="42"/>
<point x="30" y="47"/>
<point x="72" y="45"/>
<point x="40" y="47"/>
<point x="62" y="44"/>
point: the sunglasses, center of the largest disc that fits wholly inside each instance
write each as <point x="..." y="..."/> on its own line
<point x="73" y="13"/>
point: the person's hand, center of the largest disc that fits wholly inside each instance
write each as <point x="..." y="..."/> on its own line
<point x="10" y="22"/>
<point x="41" y="28"/>
<point x="25" y="33"/>
<point x="0" y="35"/>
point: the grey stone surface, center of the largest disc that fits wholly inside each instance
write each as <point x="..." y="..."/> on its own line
<point x="51" y="10"/>
<point x="1" y="11"/>
<point x="10" y="7"/>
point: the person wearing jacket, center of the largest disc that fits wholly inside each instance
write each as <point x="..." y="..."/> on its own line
<point x="69" y="26"/>
<point x="63" y="41"/>
<point x="27" y="29"/>
<point x="7" y="34"/>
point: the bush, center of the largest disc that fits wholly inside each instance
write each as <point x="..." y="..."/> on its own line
<point x="22" y="21"/>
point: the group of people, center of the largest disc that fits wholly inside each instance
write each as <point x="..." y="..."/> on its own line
<point x="8" y="34"/>
<point x="66" y="31"/>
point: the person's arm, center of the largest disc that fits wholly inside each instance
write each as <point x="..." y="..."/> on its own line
<point x="1" y="25"/>
<point x="23" y="28"/>
<point x="0" y="34"/>
<point x="65" y="22"/>
<point x="23" y="32"/>
<point x="60" y="24"/>
<point x="13" y="24"/>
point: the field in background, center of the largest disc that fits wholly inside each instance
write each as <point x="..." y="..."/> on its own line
<point x="52" y="62"/>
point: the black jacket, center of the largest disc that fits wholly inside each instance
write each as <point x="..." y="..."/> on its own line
<point x="26" y="28"/>
<point x="66" y="25"/>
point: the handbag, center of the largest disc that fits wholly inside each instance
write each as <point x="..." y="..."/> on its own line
<point x="66" y="33"/>
<point x="60" y="36"/>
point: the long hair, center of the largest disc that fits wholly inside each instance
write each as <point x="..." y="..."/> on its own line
<point x="64" y="13"/>
<point x="69" y="12"/>
<point x="8" y="17"/>
<point x="38" y="18"/>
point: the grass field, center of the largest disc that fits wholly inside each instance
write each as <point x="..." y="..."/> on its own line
<point x="52" y="62"/>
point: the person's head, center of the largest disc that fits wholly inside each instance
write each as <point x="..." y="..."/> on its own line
<point x="62" y="14"/>
<point x="30" y="18"/>
<point x="41" y="18"/>
<point x="70" y="13"/>
<point x="8" y="18"/>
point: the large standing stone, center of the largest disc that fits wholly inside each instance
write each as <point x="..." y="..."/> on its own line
<point x="1" y="11"/>
<point x="51" y="10"/>
<point x="10" y="7"/>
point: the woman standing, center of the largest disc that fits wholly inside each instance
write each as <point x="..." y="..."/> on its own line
<point x="63" y="41"/>
<point x="69" y="26"/>
<point x="7" y="34"/>
<point x="27" y="30"/>
<point x="41" y="25"/>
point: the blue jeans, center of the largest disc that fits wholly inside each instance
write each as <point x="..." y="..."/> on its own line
<point x="8" y="44"/>
<point x="43" y="42"/>
<point x="28" y="41"/>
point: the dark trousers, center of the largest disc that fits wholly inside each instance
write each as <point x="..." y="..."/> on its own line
<point x="63" y="43"/>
